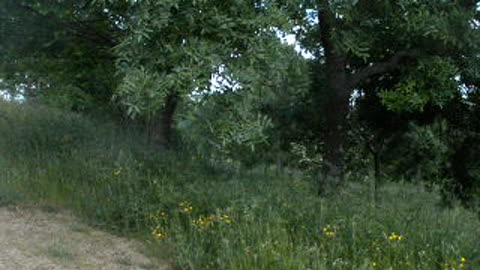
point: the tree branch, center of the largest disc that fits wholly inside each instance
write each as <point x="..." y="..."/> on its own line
<point x="468" y="4"/>
<point x="326" y="21"/>
<point x="377" y="68"/>
<point x="80" y="28"/>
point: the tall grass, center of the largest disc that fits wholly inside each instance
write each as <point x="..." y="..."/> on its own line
<point x="216" y="219"/>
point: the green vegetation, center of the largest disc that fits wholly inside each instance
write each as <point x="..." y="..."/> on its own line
<point x="61" y="251"/>
<point x="219" y="219"/>
<point x="195" y="125"/>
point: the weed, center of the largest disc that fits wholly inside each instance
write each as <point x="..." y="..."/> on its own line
<point x="60" y="250"/>
<point x="216" y="219"/>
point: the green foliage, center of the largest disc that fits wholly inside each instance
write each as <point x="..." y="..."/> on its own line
<point x="430" y="82"/>
<point x="246" y="120"/>
<point x="142" y="91"/>
<point x="224" y="126"/>
<point x="426" y="148"/>
<point x="411" y="52"/>
<point x="68" y="98"/>
<point x="217" y="215"/>
<point x="439" y="154"/>
<point x="78" y="54"/>
<point x="60" y="53"/>
<point x="40" y="130"/>
<point x="174" y="47"/>
<point x="214" y="220"/>
<point x="307" y="158"/>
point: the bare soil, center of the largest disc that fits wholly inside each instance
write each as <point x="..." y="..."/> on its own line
<point x="31" y="239"/>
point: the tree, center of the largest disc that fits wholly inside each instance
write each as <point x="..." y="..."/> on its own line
<point x="173" y="48"/>
<point x="60" y="51"/>
<point x="256" y="123"/>
<point x="360" y="42"/>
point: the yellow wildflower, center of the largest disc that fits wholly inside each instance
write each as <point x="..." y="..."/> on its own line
<point x="117" y="172"/>
<point x="329" y="231"/>
<point x="160" y="235"/>
<point x="395" y="237"/>
<point x="203" y="222"/>
<point x="225" y="218"/>
<point x="186" y="207"/>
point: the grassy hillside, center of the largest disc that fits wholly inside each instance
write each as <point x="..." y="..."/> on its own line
<point x="213" y="218"/>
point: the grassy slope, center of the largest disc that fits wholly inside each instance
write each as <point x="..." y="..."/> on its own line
<point x="222" y="220"/>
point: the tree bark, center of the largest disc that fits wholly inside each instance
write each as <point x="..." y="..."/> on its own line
<point x="337" y="109"/>
<point x="337" y="105"/>
<point x="377" y="68"/>
<point x="376" y="181"/>
<point x="463" y="186"/>
<point x="162" y="126"/>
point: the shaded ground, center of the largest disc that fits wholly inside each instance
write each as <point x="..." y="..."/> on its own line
<point x="37" y="240"/>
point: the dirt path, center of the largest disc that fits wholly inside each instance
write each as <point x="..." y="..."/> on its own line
<point x="34" y="240"/>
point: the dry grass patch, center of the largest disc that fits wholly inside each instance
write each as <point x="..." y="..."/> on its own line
<point x="35" y="239"/>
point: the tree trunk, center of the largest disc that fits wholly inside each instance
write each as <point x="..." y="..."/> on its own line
<point x="161" y="128"/>
<point x="339" y="84"/>
<point x="376" y="181"/>
<point x="337" y="108"/>
<point x="337" y="105"/>
<point x="463" y="185"/>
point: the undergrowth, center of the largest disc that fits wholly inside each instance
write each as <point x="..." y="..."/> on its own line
<point x="216" y="218"/>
